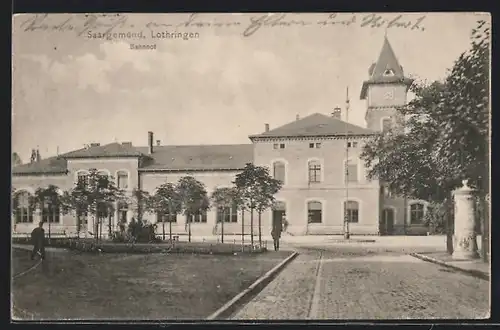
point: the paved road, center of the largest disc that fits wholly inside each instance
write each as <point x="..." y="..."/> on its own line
<point x="355" y="282"/>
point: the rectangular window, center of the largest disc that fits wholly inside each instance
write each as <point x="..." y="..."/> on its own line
<point x="351" y="172"/>
<point x="166" y="217"/>
<point x="279" y="171"/>
<point x="348" y="144"/>
<point x="199" y="218"/>
<point x="314" y="172"/>
<point x="314" y="212"/>
<point x="351" y="209"/>
<point x="311" y="145"/>
<point x="50" y="214"/>
<point x="229" y="214"/>
<point x="82" y="216"/>
<point x="352" y="144"/>
<point x="318" y="145"/>
<point x="416" y="213"/>
<point x="282" y="146"/>
<point x="122" y="181"/>
<point x="276" y="146"/>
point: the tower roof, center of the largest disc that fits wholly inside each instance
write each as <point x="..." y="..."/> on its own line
<point x="386" y="70"/>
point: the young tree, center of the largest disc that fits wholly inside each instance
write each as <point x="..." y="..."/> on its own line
<point x="50" y="202"/>
<point x="267" y="187"/>
<point x="446" y="137"/>
<point x="256" y="188"/>
<point x="140" y="203"/>
<point x="167" y="203"/>
<point x="224" y="199"/>
<point x="93" y="195"/>
<point x="195" y="201"/>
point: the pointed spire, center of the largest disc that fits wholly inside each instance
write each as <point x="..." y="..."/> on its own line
<point x="387" y="64"/>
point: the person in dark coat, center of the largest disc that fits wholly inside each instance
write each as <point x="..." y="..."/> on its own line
<point x="276" y="234"/>
<point x="38" y="241"/>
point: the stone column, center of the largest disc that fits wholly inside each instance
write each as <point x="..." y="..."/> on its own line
<point x="465" y="247"/>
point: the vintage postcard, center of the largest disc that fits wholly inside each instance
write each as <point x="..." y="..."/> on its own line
<point x="250" y="166"/>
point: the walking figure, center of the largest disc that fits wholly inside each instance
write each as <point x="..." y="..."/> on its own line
<point x="38" y="241"/>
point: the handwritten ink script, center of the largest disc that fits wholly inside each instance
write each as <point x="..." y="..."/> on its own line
<point x="249" y="25"/>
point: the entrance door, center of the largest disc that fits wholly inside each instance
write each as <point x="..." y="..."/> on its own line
<point x="388" y="221"/>
<point x="279" y="212"/>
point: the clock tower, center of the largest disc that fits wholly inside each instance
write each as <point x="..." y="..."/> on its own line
<point x="385" y="90"/>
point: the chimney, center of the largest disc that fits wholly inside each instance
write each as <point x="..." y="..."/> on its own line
<point x="150" y="142"/>
<point x="336" y="113"/>
<point x="297" y="117"/>
<point x="267" y="127"/>
<point x="158" y="142"/>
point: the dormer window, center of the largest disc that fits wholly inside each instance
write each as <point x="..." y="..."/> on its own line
<point x="389" y="72"/>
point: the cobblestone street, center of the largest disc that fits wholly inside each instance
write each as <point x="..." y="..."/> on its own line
<point x="349" y="282"/>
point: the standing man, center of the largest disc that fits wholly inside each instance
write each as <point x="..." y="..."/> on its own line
<point x="38" y="241"/>
<point x="276" y="234"/>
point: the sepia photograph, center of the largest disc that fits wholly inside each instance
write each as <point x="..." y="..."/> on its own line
<point x="250" y="166"/>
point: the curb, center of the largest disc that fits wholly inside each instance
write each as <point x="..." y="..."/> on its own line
<point x="473" y="272"/>
<point x="259" y="284"/>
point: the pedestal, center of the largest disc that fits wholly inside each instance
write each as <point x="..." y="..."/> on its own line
<point x="465" y="242"/>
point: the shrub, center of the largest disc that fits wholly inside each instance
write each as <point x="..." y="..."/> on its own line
<point x="436" y="217"/>
<point x="142" y="232"/>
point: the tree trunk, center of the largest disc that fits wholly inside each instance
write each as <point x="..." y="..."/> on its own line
<point x="251" y="227"/>
<point x="242" y="230"/>
<point x="100" y="228"/>
<point x="222" y="227"/>
<point x="163" y="227"/>
<point x="110" y="228"/>
<point x="260" y="229"/>
<point x="170" y="230"/>
<point x="189" y="229"/>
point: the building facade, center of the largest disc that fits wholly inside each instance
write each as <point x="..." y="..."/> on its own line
<point x="316" y="157"/>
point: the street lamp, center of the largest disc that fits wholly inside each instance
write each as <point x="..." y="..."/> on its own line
<point x="347" y="234"/>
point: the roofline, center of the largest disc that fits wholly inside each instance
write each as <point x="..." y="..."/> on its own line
<point x="105" y="156"/>
<point x="338" y="135"/>
<point x="62" y="172"/>
<point x="191" y="170"/>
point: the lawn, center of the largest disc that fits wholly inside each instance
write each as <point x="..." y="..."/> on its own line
<point x="71" y="285"/>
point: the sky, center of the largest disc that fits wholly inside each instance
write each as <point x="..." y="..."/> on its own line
<point x="222" y="84"/>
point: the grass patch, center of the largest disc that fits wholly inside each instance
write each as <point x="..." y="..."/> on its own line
<point x="71" y="285"/>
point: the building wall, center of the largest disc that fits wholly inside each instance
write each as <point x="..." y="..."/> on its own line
<point x="331" y="191"/>
<point x="211" y="180"/>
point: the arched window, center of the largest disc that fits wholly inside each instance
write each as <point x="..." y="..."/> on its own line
<point x="351" y="171"/>
<point x="386" y="124"/>
<point x="417" y="212"/>
<point x="279" y="171"/>
<point x="314" y="212"/>
<point x="122" y="179"/>
<point x="230" y="214"/>
<point x="50" y="213"/>
<point x="23" y="207"/>
<point x="351" y="211"/>
<point x="82" y="177"/>
<point x="314" y="171"/>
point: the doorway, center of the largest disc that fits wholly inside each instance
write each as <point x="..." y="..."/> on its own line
<point x="279" y="214"/>
<point x="387" y="222"/>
